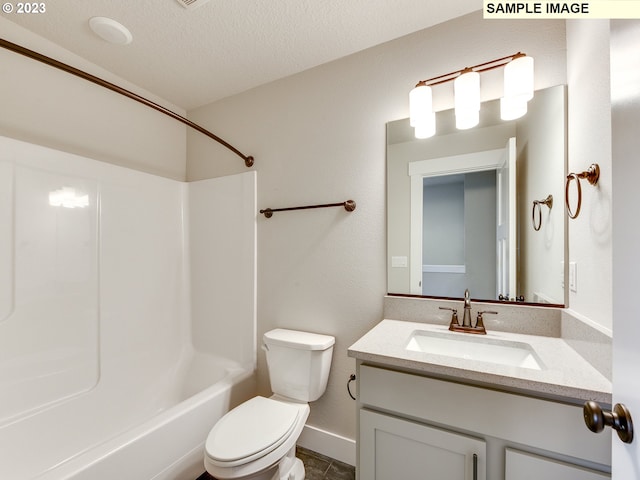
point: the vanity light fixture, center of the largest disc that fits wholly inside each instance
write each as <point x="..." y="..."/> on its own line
<point x="518" y="90"/>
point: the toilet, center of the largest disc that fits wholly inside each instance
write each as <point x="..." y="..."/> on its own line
<point x="257" y="439"/>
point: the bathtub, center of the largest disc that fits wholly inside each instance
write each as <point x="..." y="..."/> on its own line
<point x="139" y="444"/>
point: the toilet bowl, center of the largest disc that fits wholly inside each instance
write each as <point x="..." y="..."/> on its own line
<point x="257" y="439"/>
<point x="254" y="438"/>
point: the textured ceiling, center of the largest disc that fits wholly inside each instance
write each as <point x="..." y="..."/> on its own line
<point x="192" y="57"/>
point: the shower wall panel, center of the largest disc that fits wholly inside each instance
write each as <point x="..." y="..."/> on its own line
<point x="48" y="285"/>
<point x="92" y="291"/>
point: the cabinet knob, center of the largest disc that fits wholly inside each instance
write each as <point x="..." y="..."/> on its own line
<point x="619" y="419"/>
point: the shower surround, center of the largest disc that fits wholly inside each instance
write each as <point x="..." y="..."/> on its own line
<point x="127" y="315"/>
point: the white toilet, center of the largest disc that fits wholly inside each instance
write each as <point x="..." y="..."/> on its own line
<point x="257" y="440"/>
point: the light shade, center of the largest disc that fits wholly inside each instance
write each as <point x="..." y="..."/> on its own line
<point x="518" y="78"/>
<point x="518" y="87"/>
<point x="421" y="114"/>
<point x="466" y="89"/>
<point x="427" y="129"/>
<point x="420" y="104"/>
<point x="512" y="108"/>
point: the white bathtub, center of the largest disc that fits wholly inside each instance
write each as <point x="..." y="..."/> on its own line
<point x="75" y="439"/>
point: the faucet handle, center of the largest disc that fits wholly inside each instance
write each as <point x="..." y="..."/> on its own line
<point x="479" y="321"/>
<point x="454" y="316"/>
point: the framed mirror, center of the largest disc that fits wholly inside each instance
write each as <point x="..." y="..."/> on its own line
<point x="471" y="209"/>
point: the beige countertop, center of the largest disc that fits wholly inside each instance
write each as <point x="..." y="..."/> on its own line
<point x="566" y="375"/>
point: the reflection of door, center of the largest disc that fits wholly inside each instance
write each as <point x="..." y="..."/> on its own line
<point x="435" y="167"/>
<point x="625" y="103"/>
<point x="506" y="222"/>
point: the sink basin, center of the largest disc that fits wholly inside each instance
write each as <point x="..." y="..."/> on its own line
<point x="472" y="347"/>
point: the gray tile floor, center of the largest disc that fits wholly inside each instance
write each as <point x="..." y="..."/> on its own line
<point x="317" y="467"/>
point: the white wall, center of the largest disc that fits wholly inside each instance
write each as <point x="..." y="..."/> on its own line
<point x="46" y="106"/>
<point x="589" y="110"/>
<point x="319" y="137"/>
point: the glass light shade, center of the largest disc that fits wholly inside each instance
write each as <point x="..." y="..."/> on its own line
<point x="466" y="89"/>
<point x="467" y="119"/>
<point x="512" y="107"/>
<point x="518" y="78"/>
<point x="420" y="105"/>
<point x="426" y="129"/>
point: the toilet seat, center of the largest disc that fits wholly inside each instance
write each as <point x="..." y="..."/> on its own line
<point x="251" y="430"/>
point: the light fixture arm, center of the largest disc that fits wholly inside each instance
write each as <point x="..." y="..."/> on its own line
<point x="481" y="67"/>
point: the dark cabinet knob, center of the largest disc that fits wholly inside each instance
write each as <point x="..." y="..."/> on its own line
<point x="619" y="419"/>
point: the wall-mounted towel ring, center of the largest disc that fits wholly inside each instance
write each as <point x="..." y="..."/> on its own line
<point x="592" y="175"/>
<point x="536" y="203"/>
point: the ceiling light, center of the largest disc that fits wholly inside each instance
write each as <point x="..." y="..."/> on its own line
<point x="110" y="30"/>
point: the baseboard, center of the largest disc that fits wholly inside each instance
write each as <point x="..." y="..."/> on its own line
<point x="329" y="444"/>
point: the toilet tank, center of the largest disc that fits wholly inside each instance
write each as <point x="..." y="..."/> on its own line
<point x="298" y="363"/>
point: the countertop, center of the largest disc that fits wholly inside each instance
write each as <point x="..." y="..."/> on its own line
<point x="566" y="377"/>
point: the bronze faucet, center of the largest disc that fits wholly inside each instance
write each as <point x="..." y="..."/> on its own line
<point x="466" y="326"/>
<point x="466" y="317"/>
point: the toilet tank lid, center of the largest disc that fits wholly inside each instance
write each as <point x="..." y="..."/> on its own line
<point x="297" y="339"/>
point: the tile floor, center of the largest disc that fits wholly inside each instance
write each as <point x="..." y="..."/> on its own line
<point x="317" y="467"/>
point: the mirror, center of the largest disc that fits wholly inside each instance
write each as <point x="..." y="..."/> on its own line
<point x="465" y="207"/>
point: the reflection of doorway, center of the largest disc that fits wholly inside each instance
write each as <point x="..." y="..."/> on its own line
<point x="456" y="244"/>
<point x="459" y="231"/>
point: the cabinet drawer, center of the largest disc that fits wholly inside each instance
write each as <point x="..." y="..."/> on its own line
<point x="522" y="466"/>
<point x="529" y="421"/>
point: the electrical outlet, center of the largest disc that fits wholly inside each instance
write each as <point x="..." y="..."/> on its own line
<point x="573" y="277"/>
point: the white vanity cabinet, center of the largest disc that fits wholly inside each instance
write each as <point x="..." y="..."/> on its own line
<point x="413" y="426"/>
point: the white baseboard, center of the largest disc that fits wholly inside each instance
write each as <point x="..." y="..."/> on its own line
<point x="329" y="444"/>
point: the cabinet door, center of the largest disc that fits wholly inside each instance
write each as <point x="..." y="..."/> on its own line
<point x="525" y="466"/>
<point x="392" y="449"/>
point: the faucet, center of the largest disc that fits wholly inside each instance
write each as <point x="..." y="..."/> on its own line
<point x="466" y="317"/>
<point x="466" y="326"/>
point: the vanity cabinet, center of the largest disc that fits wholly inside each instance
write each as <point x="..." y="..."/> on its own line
<point x="414" y="426"/>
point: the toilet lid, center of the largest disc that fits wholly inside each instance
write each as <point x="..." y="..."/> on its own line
<point x="257" y="426"/>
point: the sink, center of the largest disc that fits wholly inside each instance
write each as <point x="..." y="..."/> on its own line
<point x="472" y="347"/>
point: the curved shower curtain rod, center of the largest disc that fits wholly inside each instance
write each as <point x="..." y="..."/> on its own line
<point x="248" y="160"/>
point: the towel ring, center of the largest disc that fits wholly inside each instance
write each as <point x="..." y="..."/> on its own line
<point x="592" y="175"/>
<point x="536" y="203"/>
